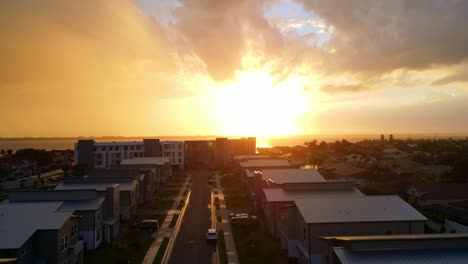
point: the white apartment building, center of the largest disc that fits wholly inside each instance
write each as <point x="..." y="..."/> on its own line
<point x="106" y="154"/>
<point x="175" y="151"/>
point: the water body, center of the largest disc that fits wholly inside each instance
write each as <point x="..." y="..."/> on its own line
<point x="68" y="143"/>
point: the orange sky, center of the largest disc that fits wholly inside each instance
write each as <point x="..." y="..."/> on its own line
<point x="247" y="67"/>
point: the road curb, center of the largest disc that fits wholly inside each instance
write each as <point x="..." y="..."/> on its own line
<point x="170" y="245"/>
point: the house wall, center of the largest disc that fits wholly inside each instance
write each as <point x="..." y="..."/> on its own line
<point x="313" y="232"/>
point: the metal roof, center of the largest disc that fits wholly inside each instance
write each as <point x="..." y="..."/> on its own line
<point x="124" y="186"/>
<point x="357" y="209"/>
<point x="146" y="161"/>
<point x="254" y="163"/>
<point x="252" y="156"/>
<point x="82" y="205"/>
<point x="398" y="237"/>
<point x="404" y="256"/>
<point x="19" y="221"/>
<point x="281" y="195"/>
<point x="281" y="176"/>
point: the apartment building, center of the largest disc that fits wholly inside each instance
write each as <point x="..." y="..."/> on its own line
<point x="105" y="154"/>
<point x="128" y="190"/>
<point x="89" y="205"/>
<point x="277" y="200"/>
<point x="39" y="233"/>
<point x="312" y="218"/>
<point x="217" y="153"/>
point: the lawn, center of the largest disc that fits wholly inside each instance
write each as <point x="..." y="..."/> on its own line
<point x="159" y="205"/>
<point x="238" y="201"/>
<point x="159" y="217"/>
<point x="222" y="248"/>
<point x="161" y="251"/>
<point x="174" y="221"/>
<point x="254" y="245"/>
<point x="132" y="249"/>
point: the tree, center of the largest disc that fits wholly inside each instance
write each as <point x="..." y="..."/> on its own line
<point x="390" y="138"/>
<point x="9" y="152"/>
<point x="3" y="152"/>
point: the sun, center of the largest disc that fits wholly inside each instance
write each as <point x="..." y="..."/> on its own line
<point x="256" y="105"/>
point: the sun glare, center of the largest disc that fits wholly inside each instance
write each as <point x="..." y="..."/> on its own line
<point x="256" y="105"/>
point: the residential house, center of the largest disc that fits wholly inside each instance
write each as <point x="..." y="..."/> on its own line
<point x="128" y="192"/>
<point x="98" y="220"/>
<point x="39" y="233"/>
<point x="389" y="249"/>
<point x="313" y="218"/>
<point x="425" y="194"/>
<point x="160" y="165"/>
<point x="278" y="200"/>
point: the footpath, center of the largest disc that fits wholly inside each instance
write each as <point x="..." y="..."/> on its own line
<point x="165" y="231"/>
<point x="225" y="224"/>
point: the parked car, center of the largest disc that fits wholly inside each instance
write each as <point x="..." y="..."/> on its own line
<point x="211" y="235"/>
<point x="148" y="224"/>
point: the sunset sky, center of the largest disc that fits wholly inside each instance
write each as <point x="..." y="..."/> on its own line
<point x="243" y="67"/>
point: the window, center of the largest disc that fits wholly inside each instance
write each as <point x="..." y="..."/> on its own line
<point x="180" y="154"/>
<point x="388" y="232"/>
<point x="103" y="148"/>
<point x="99" y="163"/>
<point x="117" y="147"/>
<point x="131" y="147"/>
<point x="110" y="148"/>
<point x="180" y="146"/>
<point x="64" y="243"/>
<point x="74" y="231"/>
<point x="180" y="160"/>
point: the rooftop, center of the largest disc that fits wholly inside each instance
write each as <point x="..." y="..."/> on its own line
<point x="281" y="195"/>
<point x="146" y="161"/>
<point x="82" y="205"/>
<point x="258" y="163"/>
<point x="124" y="186"/>
<point x="398" y="237"/>
<point x="281" y="176"/>
<point x="443" y="191"/>
<point x="19" y="221"/>
<point x="384" y="208"/>
<point x="253" y="156"/>
<point x="393" y="256"/>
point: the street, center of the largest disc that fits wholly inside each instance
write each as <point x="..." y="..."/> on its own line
<point x="191" y="245"/>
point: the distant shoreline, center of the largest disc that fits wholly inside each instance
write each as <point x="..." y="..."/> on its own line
<point x="344" y="136"/>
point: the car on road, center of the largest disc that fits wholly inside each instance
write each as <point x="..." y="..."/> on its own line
<point x="211" y="235"/>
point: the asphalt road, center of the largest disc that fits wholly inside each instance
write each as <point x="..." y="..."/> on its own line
<point x="191" y="245"/>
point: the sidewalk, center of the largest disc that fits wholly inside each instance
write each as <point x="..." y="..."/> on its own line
<point x="165" y="231"/>
<point x="225" y="225"/>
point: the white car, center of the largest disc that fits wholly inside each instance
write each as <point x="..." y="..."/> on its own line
<point x="211" y="235"/>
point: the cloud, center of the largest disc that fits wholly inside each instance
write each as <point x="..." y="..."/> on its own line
<point x="222" y="32"/>
<point x="459" y="75"/>
<point x="377" y="36"/>
<point x="343" y="88"/>
<point x="78" y="45"/>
